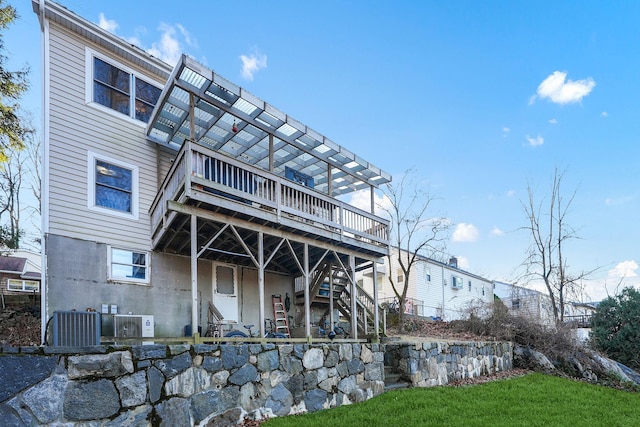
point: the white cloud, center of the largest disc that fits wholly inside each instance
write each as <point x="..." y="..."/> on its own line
<point x="553" y="121"/>
<point x="496" y="231"/>
<point x="559" y="90"/>
<point x="252" y="63"/>
<point x="107" y="24"/>
<point x="511" y="193"/>
<point x="362" y="200"/>
<point x="169" y="47"/>
<point x="134" y="40"/>
<point x="535" y="142"/>
<point x="620" y="200"/>
<point x="505" y="131"/>
<point x="604" y="114"/>
<point x="465" y="233"/>
<point x="188" y="39"/>
<point x="624" y="269"/>
<point x="463" y="262"/>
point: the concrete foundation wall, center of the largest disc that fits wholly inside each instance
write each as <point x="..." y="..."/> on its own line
<point x="77" y="279"/>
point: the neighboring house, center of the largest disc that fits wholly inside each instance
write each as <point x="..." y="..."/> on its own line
<point x="537" y="306"/>
<point x="169" y="188"/>
<point x="20" y="273"/>
<point x="525" y="302"/>
<point x="436" y="289"/>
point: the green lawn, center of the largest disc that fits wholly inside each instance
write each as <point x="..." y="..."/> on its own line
<point x="531" y="400"/>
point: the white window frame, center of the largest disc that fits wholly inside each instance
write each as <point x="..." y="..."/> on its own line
<point x="91" y="190"/>
<point x="427" y="272"/>
<point x="132" y="280"/>
<point x="90" y="54"/>
<point x="457" y="282"/>
<point x="22" y="284"/>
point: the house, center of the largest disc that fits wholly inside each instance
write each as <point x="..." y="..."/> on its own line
<point x="169" y="190"/>
<point x="525" y="302"/>
<point x="20" y="276"/>
<point x="537" y="306"/>
<point x="436" y="289"/>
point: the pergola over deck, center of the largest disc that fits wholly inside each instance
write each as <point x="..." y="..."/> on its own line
<point x="245" y="170"/>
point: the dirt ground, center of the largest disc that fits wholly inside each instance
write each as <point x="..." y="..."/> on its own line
<point x="19" y="327"/>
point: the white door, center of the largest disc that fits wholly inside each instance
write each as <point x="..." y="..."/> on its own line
<point x="225" y="291"/>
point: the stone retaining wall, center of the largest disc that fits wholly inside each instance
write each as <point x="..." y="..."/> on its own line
<point x="436" y="363"/>
<point x="206" y="385"/>
<point x="159" y="385"/>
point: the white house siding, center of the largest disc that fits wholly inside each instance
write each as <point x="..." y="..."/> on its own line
<point x="77" y="129"/>
<point x="434" y="298"/>
<point x="431" y="292"/>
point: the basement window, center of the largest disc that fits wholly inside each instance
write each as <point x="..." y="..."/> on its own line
<point x="128" y="266"/>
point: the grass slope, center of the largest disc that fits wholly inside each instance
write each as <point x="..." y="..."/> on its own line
<point x="531" y="400"/>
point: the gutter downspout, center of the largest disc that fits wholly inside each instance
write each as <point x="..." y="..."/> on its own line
<point x="44" y="189"/>
<point x="443" y="285"/>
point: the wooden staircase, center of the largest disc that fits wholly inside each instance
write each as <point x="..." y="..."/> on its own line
<point x="319" y="289"/>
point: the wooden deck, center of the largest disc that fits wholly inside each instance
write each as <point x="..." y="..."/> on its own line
<point x="226" y="187"/>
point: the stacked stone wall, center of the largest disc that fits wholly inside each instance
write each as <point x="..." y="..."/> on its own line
<point x="159" y="385"/>
<point x="437" y="363"/>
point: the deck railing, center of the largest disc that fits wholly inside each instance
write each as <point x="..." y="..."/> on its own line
<point x="197" y="168"/>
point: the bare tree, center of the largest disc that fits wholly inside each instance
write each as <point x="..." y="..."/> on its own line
<point x="413" y="232"/>
<point x="11" y="174"/>
<point x="546" y="259"/>
<point x="20" y="194"/>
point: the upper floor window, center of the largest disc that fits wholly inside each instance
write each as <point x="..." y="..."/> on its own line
<point x="119" y="89"/>
<point x="428" y="274"/>
<point x="113" y="186"/>
<point x="130" y="266"/>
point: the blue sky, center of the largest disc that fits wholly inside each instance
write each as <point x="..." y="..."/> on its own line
<point x="481" y="99"/>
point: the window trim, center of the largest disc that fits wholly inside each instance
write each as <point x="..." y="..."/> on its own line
<point x="22" y="282"/>
<point x="91" y="184"/>
<point x="130" y="280"/>
<point x="455" y="280"/>
<point x="90" y="54"/>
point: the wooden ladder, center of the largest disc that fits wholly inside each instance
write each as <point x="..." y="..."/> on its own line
<point x="280" y="315"/>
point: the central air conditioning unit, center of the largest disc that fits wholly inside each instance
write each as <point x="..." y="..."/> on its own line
<point x="76" y="328"/>
<point x="133" y="326"/>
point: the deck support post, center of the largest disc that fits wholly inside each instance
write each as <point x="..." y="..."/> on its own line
<point x="194" y="274"/>
<point x="261" y="280"/>
<point x="354" y="296"/>
<point x="307" y="299"/>
<point x="376" y="314"/>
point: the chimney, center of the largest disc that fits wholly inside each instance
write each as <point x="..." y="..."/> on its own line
<point x="453" y="262"/>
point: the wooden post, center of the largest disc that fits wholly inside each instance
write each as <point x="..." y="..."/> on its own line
<point x="261" y="279"/>
<point x="194" y="274"/>
<point x="307" y="299"/>
<point x="376" y="315"/>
